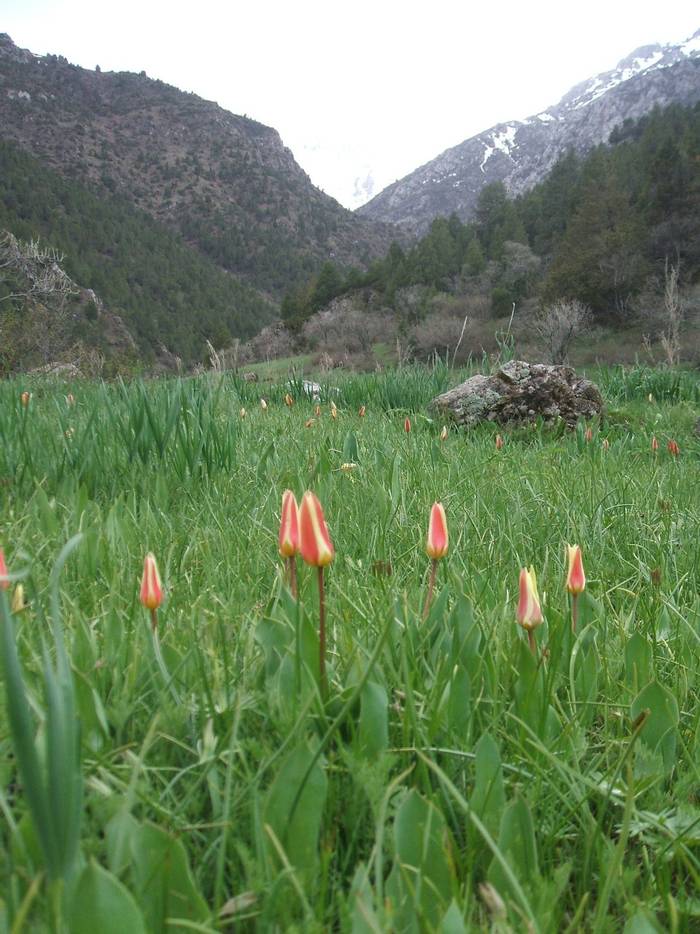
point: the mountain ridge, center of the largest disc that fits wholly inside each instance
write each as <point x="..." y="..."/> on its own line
<point x="521" y="152"/>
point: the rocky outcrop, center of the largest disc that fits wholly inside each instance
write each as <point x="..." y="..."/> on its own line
<point x="522" y="152"/>
<point x="518" y="393"/>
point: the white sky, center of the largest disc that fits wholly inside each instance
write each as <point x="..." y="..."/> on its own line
<point x="368" y="87"/>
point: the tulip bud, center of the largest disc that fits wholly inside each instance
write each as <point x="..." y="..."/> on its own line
<point x="4" y="582"/>
<point x="25" y="398"/>
<point x="288" y="401"/>
<point x="606" y="444"/>
<point x="588" y="435"/>
<point x="438" y="538"/>
<point x="314" y="541"/>
<point x="309" y="423"/>
<point x="334" y="411"/>
<point x="673" y="448"/>
<point x="362" y="411"/>
<point x="289" y="525"/>
<point x="499" y="442"/>
<point x="242" y="413"/>
<point x="407" y="425"/>
<point x="263" y="405"/>
<point x="317" y="411"/>
<point x="443" y="433"/>
<point x="18" y="603"/>
<point x="70" y="399"/>
<point x="151" y="595"/>
<point x="529" y="614"/>
<point x="654" y="444"/>
<point x="576" y="577"/>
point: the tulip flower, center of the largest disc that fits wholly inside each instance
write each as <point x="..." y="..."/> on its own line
<point x="588" y="435"/>
<point x="289" y="536"/>
<point x="151" y="595"/>
<point x="499" y="442"/>
<point x="18" y="602"/>
<point x="288" y="401"/>
<point x="575" y="580"/>
<point x="407" y="425"/>
<point x="362" y="411"/>
<point x="654" y="445"/>
<point x="242" y="413"/>
<point x="4" y="582"/>
<point x="317" y="550"/>
<point x="70" y="399"/>
<point x="443" y="433"/>
<point x="317" y="411"/>
<point x="673" y="448"/>
<point x="334" y="411"/>
<point x="436" y="547"/>
<point x="263" y="405"/>
<point x="25" y="398"/>
<point x="606" y="444"/>
<point x="529" y="613"/>
<point x="309" y="423"/>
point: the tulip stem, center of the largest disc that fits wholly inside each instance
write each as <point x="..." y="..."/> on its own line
<point x="154" y="619"/>
<point x="322" y="634"/>
<point x="531" y="641"/>
<point x="431" y="588"/>
<point x="292" y="570"/>
<point x="574" y="611"/>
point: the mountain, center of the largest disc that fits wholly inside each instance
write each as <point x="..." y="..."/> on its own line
<point x="521" y="153"/>
<point x="225" y="183"/>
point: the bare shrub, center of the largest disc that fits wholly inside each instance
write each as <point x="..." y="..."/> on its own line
<point x="342" y="329"/>
<point x="557" y="325"/>
<point x="273" y="342"/>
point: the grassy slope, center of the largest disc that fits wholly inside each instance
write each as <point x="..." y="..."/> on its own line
<point x="206" y="500"/>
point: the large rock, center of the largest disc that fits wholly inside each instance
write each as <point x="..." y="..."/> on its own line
<point x="520" y="392"/>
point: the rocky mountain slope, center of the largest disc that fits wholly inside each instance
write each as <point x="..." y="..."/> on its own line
<point x="226" y="183"/>
<point x="521" y="153"/>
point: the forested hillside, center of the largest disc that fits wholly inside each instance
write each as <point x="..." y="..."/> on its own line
<point x="598" y="229"/>
<point x="165" y="292"/>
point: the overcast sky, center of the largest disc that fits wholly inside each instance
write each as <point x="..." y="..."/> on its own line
<point x="368" y="89"/>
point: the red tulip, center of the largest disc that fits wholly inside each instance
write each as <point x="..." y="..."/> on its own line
<point x="588" y="435"/>
<point x="4" y="582"/>
<point x="314" y="541"/>
<point x="151" y="595"/>
<point x="499" y="442"/>
<point x="288" y="401"/>
<point x="529" y="613"/>
<point x="438" y="538"/>
<point x="654" y="444"/>
<point x="25" y="398"/>
<point x="289" y="526"/>
<point x="673" y="448"/>
<point x="362" y="411"/>
<point x="407" y="425"/>
<point x="576" y="577"/>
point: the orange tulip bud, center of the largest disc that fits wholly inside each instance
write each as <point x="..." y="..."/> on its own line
<point x="317" y="411"/>
<point x="314" y="541"/>
<point x="70" y="399"/>
<point x="576" y="577"/>
<point x="151" y="595"/>
<point x="4" y="582"/>
<point x="673" y="448"/>
<point x="443" y="433"/>
<point x="263" y="405"/>
<point x="438" y="537"/>
<point x="25" y="398"/>
<point x="407" y="425"/>
<point x="289" y="525"/>
<point x="362" y="411"/>
<point x="499" y="442"/>
<point x="334" y="411"/>
<point x="288" y="401"/>
<point x="654" y="444"/>
<point x="588" y="435"/>
<point x="242" y="413"/>
<point x="606" y="444"/>
<point x="529" y="613"/>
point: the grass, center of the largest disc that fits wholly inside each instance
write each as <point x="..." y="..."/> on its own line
<point x="450" y="781"/>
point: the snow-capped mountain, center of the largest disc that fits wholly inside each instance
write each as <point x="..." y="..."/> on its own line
<point x="521" y="152"/>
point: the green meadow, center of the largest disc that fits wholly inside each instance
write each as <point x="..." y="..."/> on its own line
<point x="197" y="777"/>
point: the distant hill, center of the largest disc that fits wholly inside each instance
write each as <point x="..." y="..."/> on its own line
<point x="225" y="183"/>
<point x="520" y="153"/>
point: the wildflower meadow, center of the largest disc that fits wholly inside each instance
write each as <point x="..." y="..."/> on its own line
<point x="273" y="662"/>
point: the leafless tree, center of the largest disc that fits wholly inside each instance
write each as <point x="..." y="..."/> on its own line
<point x="558" y="324"/>
<point x="673" y="315"/>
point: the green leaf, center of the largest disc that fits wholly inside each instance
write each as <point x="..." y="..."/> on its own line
<point x="663" y="715"/>
<point x="453" y="922"/>
<point x="374" y="719"/>
<point x="350" y="452"/>
<point x="294" y="806"/>
<point x="163" y="879"/>
<point x="488" y="798"/>
<point x="119" y="832"/>
<point x="638" y="658"/>
<point x="101" y="903"/>
<point x="516" y="841"/>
